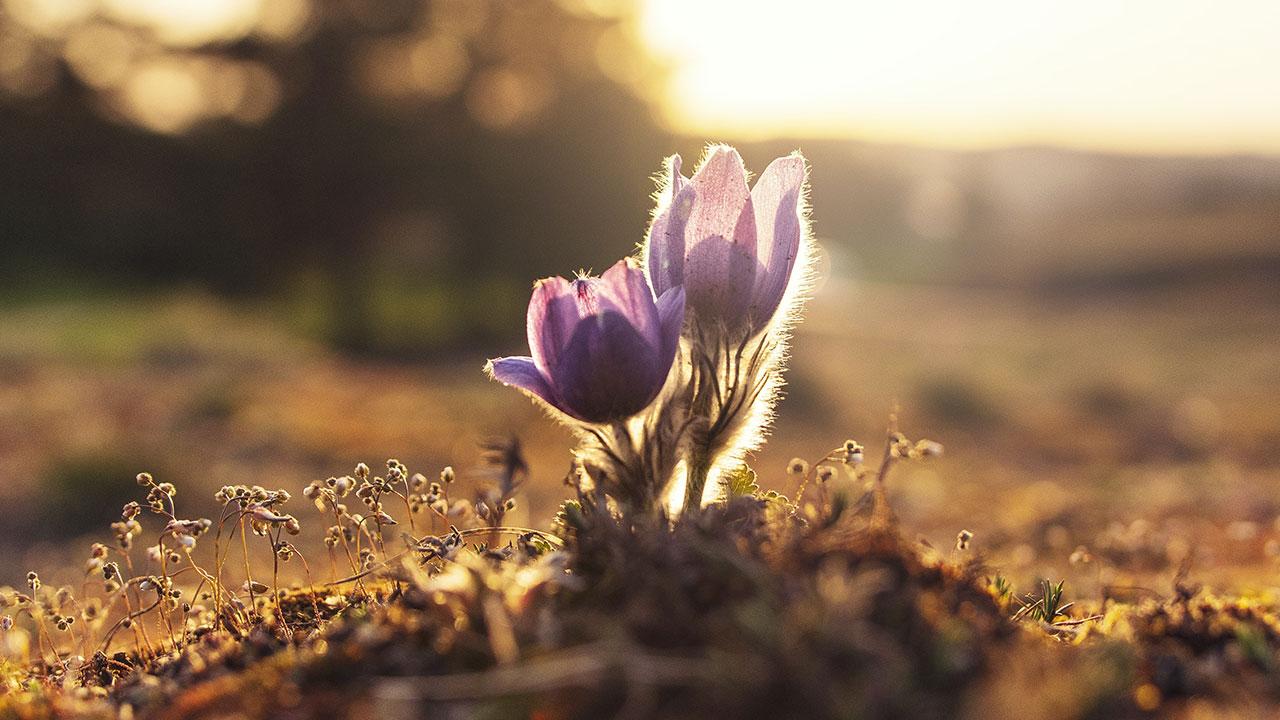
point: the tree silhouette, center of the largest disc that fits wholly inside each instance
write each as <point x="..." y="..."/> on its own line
<point x="448" y="148"/>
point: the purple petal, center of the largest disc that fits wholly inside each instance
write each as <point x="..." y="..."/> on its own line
<point x="623" y="289"/>
<point x="671" y="320"/>
<point x="667" y="233"/>
<point x="523" y="373"/>
<point x="721" y="203"/>
<point x="776" y="198"/>
<point x="720" y="276"/>
<point x="553" y="315"/>
<point x="678" y="180"/>
<point x="608" y="371"/>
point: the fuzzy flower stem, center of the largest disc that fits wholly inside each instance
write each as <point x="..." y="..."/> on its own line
<point x="634" y="463"/>
<point x="633" y="481"/>
<point x="696" y="480"/>
<point x="730" y="394"/>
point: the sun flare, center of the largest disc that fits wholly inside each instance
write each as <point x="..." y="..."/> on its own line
<point x="1136" y="76"/>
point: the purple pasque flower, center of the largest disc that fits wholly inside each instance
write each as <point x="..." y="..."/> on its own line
<point x="732" y="248"/>
<point x="601" y="347"/>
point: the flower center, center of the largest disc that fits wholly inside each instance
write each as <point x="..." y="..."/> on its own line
<point x="585" y="291"/>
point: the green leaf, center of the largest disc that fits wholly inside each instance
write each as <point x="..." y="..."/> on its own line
<point x="742" y="482"/>
<point x="571" y="517"/>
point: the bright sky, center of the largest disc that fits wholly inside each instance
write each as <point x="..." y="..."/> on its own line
<point x="1194" y="76"/>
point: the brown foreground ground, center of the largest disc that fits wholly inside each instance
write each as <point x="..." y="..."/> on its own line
<point x="1136" y="430"/>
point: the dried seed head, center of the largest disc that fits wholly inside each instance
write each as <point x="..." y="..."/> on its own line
<point x="447" y="474"/>
<point x="33" y="580"/>
<point x="852" y="453"/>
<point x="797" y="466"/>
<point x="825" y="473"/>
<point x="342" y="485"/>
<point x="362" y="471"/>
<point x="962" y="540"/>
<point x="144" y="478"/>
<point x="928" y="449"/>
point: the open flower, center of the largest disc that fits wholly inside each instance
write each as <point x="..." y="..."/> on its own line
<point x="601" y="347"/>
<point x="733" y="249"/>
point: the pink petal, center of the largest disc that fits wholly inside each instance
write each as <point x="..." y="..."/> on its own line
<point x="667" y="234"/>
<point x="553" y="314"/>
<point x="776" y="199"/>
<point x="608" y="370"/>
<point x="719" y="279"/>
<point x="671" y="320"/>
<point x="523" y="373"/>
<point x="623" y="289"/>
<point x="721" y="202"/>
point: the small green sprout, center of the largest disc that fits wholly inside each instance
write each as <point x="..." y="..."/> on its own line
<point x="1048" y="607"/>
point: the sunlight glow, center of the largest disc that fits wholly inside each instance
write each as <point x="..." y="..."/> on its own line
<point x="190" y="23"/>
<point x="1142" y="75"/>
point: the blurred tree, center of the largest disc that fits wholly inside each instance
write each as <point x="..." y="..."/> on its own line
<point x="405" y="166"/>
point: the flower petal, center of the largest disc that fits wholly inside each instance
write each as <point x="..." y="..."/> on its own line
<point x="671" y="321"/>
<point x="720" y="205"/>
<point x="523" y="373"/>
<point x="666" y="246"/>
<point x="608" y="371"/>
<point x="623" y="289"/>
<point x="553" y="314"/>
<point x="719" y="278"/>
<point x="776" y="199"/>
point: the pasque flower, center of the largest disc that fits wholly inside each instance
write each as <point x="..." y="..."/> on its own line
<point x="601" y="347"/>
<point x="733" y="249"/>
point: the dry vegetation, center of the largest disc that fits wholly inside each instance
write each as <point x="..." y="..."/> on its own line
<point x="1118" y="449"/>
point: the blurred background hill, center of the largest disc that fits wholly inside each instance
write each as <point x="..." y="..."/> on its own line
<point x="258" y="241"/>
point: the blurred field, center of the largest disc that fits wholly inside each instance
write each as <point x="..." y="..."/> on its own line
<point x="1141" y="423"/>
